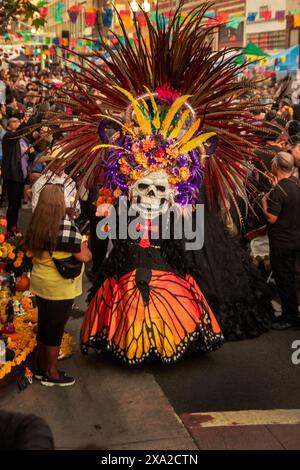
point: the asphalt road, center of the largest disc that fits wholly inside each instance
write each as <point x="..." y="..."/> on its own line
<point x="251" y="374"/>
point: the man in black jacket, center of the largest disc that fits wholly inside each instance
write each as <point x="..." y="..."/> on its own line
<point x="12" y="173"/>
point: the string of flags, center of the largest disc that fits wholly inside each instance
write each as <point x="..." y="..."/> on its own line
<point x="293" y="17"/>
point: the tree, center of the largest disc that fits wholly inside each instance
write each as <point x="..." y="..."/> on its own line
<point x="11" y="10"/>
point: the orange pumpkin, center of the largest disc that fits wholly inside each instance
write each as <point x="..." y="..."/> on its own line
<point x="23" y="283"/>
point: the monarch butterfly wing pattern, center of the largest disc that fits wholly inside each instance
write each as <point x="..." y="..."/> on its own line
<point x="175" y="314"/>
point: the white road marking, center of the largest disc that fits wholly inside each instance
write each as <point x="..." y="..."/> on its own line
<point x="245" y="418"/>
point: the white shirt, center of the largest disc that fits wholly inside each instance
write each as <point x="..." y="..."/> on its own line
<point x="2" y="92"/>
<point x="295" y="96"/>
<point x="50" y="178"/>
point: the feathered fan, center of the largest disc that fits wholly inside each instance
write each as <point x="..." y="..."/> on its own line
<point x="180" y="54"/>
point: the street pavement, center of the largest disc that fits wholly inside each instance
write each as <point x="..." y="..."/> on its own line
<point x="244" y="396"/>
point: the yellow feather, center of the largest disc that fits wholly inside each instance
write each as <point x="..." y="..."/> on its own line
<point x="108" y="146"/>
<point x="118" y="122"/>
<point x="143" y="122"/>
<point x="156" y="119"/>
<point x="153" y="102"/>
<point x="189" y="134"/>
<point x="194" y="143"/>
<point x="180" y="125"/>
<point x="172" y="113"/>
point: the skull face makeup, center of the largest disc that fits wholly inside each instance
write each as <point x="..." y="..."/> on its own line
<point x="151" y="195"/>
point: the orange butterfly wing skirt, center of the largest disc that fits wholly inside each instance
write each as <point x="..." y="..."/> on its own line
<point x="174" y="317"/>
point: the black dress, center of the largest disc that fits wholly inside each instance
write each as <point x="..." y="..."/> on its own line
<point x="236" y="292"/>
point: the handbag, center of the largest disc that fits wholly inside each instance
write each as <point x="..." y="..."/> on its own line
<point x="68" y="268"/>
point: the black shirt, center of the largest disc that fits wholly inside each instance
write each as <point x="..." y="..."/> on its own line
<point x="11" y="162"/>
<point x="284" y="202"/>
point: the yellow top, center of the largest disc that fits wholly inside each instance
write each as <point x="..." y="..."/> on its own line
<point x="47" y="283"/>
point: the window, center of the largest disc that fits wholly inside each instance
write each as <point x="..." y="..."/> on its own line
<point x="231" y="35"/>
<point x="269" y="40"/>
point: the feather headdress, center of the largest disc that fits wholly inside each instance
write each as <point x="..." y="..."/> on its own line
<point x="179" y="54"/>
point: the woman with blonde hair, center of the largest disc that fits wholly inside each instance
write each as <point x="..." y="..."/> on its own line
<point x="56" y="279"/>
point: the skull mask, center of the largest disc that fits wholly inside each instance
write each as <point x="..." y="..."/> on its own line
<point x="151" y="195"/>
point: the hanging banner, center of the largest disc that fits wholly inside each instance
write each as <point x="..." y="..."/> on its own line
<point x="74" y="12"/>
<point x="58" y="12"/>
<point x="90" y="16"/>
<point x="126" y="17"/>
<point x="266" y="15"/>
<point x="297" y="21"/>
<point x="223" y="18"/>
<point x="141" y="19"/>
<point x="235" y="21"/>
<point x="43" y="11"/>
<point x="107" y="17"/>
<point x="252" y="16"/>
<point x="280" y="15"/>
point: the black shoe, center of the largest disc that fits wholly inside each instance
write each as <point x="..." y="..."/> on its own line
<point x="282" y="325"/>
<point x="40" y="373"/>
<point x="62" y="381"/>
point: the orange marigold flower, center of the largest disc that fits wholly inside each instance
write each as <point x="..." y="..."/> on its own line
<point x="125" y="170"/>
<point x="107" y="192"/>
<point x="100" y="200"/>
<point x="148" y="144"/>
<point x="11" y="256"/>
<point x="2" y="238"/>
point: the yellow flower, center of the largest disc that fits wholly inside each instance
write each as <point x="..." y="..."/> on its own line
<point x="174" y="180"/>
<point x="135" y="175"/>
<point x="184" y="173"/>
<point x="172" y="152"/>
<point x="141" y="159"/>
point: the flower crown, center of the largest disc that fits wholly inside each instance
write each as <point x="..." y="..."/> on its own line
<point x="155" y="138"/>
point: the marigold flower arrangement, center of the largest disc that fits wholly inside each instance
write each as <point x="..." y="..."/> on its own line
<point x="13" y="253"/>
<point x="24" y="340"/>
